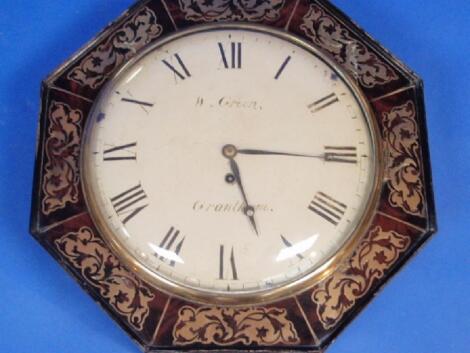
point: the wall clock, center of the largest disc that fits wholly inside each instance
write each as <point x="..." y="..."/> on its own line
<point x="232" y="175"/>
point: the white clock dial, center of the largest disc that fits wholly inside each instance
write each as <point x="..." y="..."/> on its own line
<point x="229" y="161"/>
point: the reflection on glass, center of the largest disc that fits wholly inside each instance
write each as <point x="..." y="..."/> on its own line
<point x="297" y="249"/>
<point x="166" y="254"/>
<point x="134" y="74"/>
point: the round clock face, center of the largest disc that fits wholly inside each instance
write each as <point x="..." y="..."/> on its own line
<point x="229" y="161"/>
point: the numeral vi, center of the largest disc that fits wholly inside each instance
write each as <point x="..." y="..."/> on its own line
<point x="227" y="264"/>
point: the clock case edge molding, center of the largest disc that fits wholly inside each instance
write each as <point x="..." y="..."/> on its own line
<point x="309" y="321"/>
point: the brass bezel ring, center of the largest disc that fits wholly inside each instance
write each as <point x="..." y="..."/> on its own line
<point x="237" y="298"/>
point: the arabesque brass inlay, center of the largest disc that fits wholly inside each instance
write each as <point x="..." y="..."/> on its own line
<point x="228" y="326"/>
<point x="353" y="55"/>
<point x="223" y="10"/>
<point x="124" y="292"/>
<point x="375" y="255"/>
<point x="404" y="164"/>
<point x="62" y="148"/>
<point x="137" y="32"/>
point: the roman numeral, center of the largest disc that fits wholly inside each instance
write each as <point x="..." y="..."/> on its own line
<point x="341" y="154"/>
<point x="182" y="75"/>
<point x="235" y="55"/>
<point x="129" y="203"/>
<point x="121" y="153"/>
<point x="144" y="105"/>
<point x="135" y="101"/>
<point x="323" y="103"/>
<point x="231" y="264"/>
<point x="289" y="245"/>
<point x="170" y="246"/>
<point x="281" y="69"/>
<point x="327" y="207"/>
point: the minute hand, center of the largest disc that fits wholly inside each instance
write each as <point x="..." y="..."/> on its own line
<point x="274" y="153"/>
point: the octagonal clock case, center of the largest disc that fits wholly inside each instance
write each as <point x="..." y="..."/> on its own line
<point x="232" y="175"/>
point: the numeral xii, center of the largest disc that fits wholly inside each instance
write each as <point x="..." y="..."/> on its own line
<point x="235" y="55"/>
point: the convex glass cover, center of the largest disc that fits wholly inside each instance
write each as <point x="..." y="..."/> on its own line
<point x="229" y="161"/>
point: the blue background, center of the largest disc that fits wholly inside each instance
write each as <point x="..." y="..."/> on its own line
<point x="425" y="308"/>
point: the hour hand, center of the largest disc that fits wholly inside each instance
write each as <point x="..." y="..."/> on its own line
<point x="248" y="210"/>
<point x="230" y="151"/>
